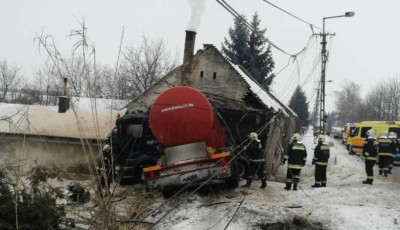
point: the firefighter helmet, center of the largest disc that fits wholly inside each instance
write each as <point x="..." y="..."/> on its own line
<point x="106" y="147"/>
<point x="384" y="135"/>
<point x="392" y="135"/>
<point x="371" y="133"/>
<point x="253" y="136"/>
<point x="296" y="137"/>
<point x="321" y="138"/>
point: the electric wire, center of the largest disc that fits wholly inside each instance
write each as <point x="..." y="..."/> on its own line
<point x="294" y="16"/>
<point x="290" y="80"/>
<point x="232" y="11"/>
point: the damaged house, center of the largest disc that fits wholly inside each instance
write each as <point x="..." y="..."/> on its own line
<point x="241" y="104"/>
<point x="56" y="135"/>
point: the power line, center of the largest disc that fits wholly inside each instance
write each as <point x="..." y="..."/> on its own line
<point x="232" y="11"/>
<point x="294" y="16"/>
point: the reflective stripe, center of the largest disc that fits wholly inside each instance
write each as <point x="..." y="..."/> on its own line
<point x="286" y="157"/>
<point x="324" y="181"/>
<point x="370" y="177"/>
<point x="386" y="169"/>
<point x="385" y="154"/>
<point x="371" y="158"/>
<point x="289" y="180"/>
<point x="315" y="158"/>
<point x="391" y="166"/>
<point x="324" y="148"/>
<point x="321" y="163"/>
<point x="366" y="154"/>
<point x="297" y="177"/>
<point x="385" y="141"/>
<point x="295" y="166"/>
<point x="393" y="155"/>
<point x="298" y="148"/>
<point x="258" y="160"/>
<point x="305" y="158"/>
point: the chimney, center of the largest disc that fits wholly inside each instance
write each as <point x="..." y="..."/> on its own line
<point x="63" y="101"/>
<point x="189" y="46"/>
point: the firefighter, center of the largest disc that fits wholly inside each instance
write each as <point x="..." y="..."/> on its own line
<point x="369" y="153"/>
<point x="321" y="156"/>
<point x="386" y="149"/>
<point x="257" y="161"/>
<point x="393" y="137"/>
<point x="104" y="171"/>
<point x="296" y="155"/>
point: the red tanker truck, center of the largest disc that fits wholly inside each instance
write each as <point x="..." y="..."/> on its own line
<point x="193" y="141"/>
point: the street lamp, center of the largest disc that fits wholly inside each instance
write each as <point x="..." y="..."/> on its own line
<point x="323" y="68"/>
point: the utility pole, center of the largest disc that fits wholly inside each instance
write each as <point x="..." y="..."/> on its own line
<point x="324" y="59"/>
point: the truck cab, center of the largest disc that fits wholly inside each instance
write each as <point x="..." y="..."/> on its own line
<point x="135" y="147"/>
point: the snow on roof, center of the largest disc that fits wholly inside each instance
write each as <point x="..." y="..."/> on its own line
<point x="266" y="97"/>
<point x="46" y="121"/>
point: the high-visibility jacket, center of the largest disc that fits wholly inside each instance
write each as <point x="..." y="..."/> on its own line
<point x="370" y="150"/>
<point x="386" y="147"/>
<point x="296" y="155"/>
<point x="321" y="154"/>
<point x="254" y="151"/>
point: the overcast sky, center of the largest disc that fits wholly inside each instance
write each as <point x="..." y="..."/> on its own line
<point x="366" y="48"/>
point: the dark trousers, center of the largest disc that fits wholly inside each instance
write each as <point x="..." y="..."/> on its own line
<point x="369" y="168"/>
<point x="391" y="163"/>
<point x="320" y="174"/>
<point x="293" y="175"/>
<point x="384" y="162"/>
<point x="102" y="182"/>
<point x="256" y="167"/>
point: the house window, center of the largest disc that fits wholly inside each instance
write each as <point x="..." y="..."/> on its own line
<point x="215" y="75"/>
<point x="201" y="73"/>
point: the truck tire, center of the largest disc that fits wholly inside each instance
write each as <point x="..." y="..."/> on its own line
<point x="167" y="193"/>
<point x="241" y="169"/>
<point x="233" y="180"/>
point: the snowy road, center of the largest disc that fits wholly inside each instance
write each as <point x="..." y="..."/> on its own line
<point x="345" y="204"/>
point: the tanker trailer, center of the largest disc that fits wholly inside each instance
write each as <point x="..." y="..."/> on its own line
<point x="195" y="144"/>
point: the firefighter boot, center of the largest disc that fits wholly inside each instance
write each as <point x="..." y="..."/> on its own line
<point x="316" y="185"/>
<point x="295" y="186"/>
<point x="385" y="173"/>
<point x="263" y="183"/>
<point x="367" y="181"/>
<point x="390" y="170"/>
<point x="248" y="183"/>
<point x="323" y="184"/>
<point x="380" y="171"/>
<point x="288" y="185"/>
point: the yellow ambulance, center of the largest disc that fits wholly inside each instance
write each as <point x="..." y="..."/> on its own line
<point x="356" y="140"/>
<point x="348" y="129"/>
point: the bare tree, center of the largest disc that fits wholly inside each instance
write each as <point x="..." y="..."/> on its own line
<point x="9" y="80"/>
<point x="144" y="65"/>
<point x="348" y="101"/>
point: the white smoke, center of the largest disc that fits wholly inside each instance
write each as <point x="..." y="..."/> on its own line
<point x="198" y="7"/>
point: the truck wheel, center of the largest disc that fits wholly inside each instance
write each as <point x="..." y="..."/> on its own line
<point x="233" y="180"/>
<point x="167" y="193"/>
<point x="241" y="169"/>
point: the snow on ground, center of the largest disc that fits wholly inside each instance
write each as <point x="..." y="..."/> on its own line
<point x="345" y="204"/>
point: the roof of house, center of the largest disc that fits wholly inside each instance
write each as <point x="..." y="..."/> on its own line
<point x="265" y="96"/>
<point x="87" y="118"/>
